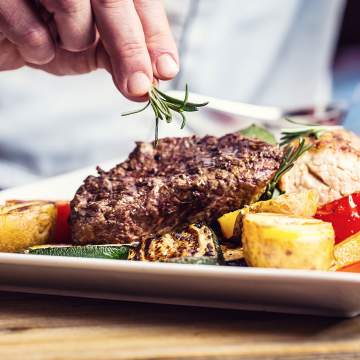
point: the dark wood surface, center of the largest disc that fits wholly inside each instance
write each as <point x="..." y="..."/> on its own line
<point x="50" y="327"/>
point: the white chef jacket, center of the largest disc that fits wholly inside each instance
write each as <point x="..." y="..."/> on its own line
<point x="274" y="52"/>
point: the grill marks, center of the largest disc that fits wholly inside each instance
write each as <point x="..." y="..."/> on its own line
<point x="192" y="241"/>
<point x="182" y="180"/>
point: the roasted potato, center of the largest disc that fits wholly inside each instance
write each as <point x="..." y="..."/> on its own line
<point x="283" y="241"/>
<point x="302" y="203"/>
<point x="25" y="224"/>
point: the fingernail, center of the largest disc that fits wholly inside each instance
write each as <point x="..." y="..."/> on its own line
<point x="166" y="66"/>
<point x="138" y="84"/>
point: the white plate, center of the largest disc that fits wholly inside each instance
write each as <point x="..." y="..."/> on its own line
<point x="293" y="291"/>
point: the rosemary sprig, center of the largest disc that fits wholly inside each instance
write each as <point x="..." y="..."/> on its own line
<point x="294" y="143"/>
<point x="165" y="106"/>
<point x="291" y="153"/>
<point x="304" y="130"/>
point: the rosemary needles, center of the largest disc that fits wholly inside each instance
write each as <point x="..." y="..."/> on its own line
<point x="288" y="135"/>
<point x="165" y="106"/>
<point x="294" y="144"/>
<point x="292" y="152"/>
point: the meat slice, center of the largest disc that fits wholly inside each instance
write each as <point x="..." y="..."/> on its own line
<point x="182" y="180"/>
<point x="332" y="167"/>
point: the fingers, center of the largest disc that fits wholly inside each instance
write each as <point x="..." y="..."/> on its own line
<point x="20" y="24"/>
<point x="71" y="63"/>
<point x="74" y="22"/>
<point x="10" y="58"/>
<point x="159" y="39"/>
<point x="123" y="38"/>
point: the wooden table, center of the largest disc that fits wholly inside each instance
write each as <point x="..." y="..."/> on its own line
<point x="50" y="327"/>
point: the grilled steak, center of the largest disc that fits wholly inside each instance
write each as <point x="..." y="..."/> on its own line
<point x="332" y="167"/>
<point x="182" y="180"/>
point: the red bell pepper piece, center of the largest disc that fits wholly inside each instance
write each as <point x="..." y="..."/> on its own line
<point x="344" y="214"/>
<point x="351" y="268"/>
<point x="62" y="233"/>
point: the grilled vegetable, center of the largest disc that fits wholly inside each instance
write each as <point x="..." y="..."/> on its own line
<point x="62" y="232"/>
<point x="302" y="204"/>
<point x="283" y="241"/>
<point x="351" y="268"/>
<point x="195" y="241"/>
<point x="348" y="251"/>
<point x="344" y="214"/>
<point x="227" y="222"/>
<point x="25" y="224"/>
<point x="120" y="252"/>
<point x="62" y="229"/>
<point x="232" y="253"/>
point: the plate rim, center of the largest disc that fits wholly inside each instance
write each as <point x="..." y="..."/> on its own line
<point x="192" y="270"/>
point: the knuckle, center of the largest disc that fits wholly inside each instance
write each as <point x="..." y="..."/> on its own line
<point x="80" y="41"/>
<point x="157" y="39"/>
<point x="35" y="37"/>
<point x="132" y="49"/>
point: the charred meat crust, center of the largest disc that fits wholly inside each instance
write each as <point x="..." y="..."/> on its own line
<point x="182" y="180"/>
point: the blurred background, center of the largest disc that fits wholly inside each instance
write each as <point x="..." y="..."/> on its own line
<point x="293" y="54"/>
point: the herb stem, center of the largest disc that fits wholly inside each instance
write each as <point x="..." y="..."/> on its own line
<point x="302" y="131"/>
<point x="136" y="111"/>
<point x="165" y="106"/>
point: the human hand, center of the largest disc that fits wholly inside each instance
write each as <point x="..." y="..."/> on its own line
<point x="130" y="38"/>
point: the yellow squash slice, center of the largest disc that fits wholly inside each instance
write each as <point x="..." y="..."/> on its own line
<point x="227" y="223"/>
<point x="25" y="224"/>
<point x="283" y="241"/>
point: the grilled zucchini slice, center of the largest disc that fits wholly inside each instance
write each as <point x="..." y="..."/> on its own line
<point x="196" y="243"/>
<point x="119" y="252"/>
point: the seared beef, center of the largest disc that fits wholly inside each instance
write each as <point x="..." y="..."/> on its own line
<point x="332" y="167"/>
<point x="182" y="180"/>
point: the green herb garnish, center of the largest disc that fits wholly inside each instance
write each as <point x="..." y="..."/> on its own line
<point x="304" y="130"/>
<point x="164" y="107"/>
<point x="260" y="133"/>
<point x="293" y="151"/>
<point x="291" y="154"/>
